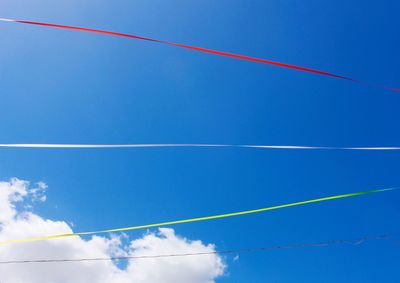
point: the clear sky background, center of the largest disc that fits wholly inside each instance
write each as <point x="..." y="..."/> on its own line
<point x="68" y="87"/>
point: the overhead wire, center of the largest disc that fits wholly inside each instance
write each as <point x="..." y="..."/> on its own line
<point x="222" y="252"/>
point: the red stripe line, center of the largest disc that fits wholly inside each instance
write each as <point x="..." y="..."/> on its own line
<point x="204" y="50"/>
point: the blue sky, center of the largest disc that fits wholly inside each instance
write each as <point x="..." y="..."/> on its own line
<point x="70" y="87"/>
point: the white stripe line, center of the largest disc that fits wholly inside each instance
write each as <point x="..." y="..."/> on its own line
<point x="110" y="145"/>
<point x="374" y="148"/>
<point x="155" y="145"/>
<point x="288" y="147"/>
<point x="6" y="20"/>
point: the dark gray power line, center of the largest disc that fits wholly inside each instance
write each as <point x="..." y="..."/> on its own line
<point x="236" y="251"/>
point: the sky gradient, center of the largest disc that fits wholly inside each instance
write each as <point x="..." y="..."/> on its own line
<point x="70" y="87"/>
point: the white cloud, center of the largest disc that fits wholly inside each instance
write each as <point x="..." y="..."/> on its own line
<point x="17" y="222"/>
<point x="11" y="193"/>
<point x="193" y="269"/>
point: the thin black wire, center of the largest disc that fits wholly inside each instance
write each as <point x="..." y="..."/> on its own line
<point x="358" y="241"/>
